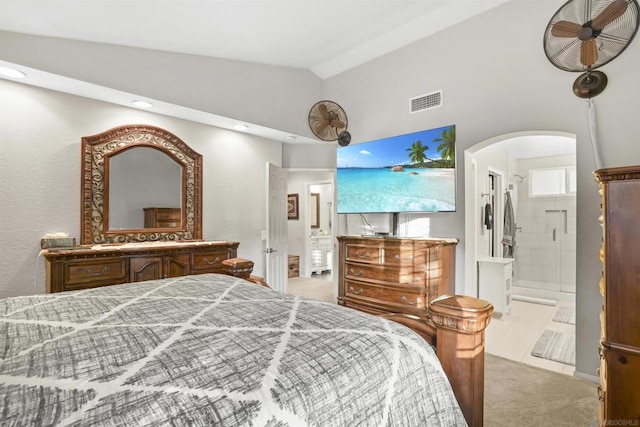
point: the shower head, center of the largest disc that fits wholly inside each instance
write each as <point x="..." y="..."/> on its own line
<point x="520" y="177"/>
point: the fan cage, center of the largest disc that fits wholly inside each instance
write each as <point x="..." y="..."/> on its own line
<point x="564" y="52"/>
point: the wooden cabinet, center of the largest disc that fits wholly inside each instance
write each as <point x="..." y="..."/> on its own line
<point x="162" y="218"/>
<point x="84" y="267"/>
<point x="156" y="267"/>
<point x="620" y="289"/>
<point x="294" y="266"/>
<point x="394" y="275"/>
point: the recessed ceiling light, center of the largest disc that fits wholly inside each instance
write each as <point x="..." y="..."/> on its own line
<point x="10" y="72"/>
<point x="142" y="104"/>
<point x="241" y="127"/>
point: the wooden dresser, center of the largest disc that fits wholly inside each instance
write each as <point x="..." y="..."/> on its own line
<point x="382" y="275"/>
<point x="620" y="288"/>
<point x="84" y="267"/>
<point x="162" y="217"/>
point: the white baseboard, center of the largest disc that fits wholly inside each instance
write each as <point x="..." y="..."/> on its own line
<point x="534" y="300"/>
<point x="588" y="377"/>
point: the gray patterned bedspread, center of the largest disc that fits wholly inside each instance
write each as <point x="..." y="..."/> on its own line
<point x="211" y="350"/>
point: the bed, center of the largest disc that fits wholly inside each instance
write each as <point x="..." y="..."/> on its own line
<point x="212" y="349"/>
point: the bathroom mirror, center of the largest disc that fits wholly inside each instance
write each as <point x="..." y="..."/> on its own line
<point x="314" y="210"/>
<point x="133" y="167"/>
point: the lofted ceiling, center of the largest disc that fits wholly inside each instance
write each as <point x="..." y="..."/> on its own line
<point x="324" y="36"/>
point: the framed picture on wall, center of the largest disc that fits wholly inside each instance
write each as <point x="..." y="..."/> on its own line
<point x="292" y="206"/>
<point x="314" y="210"/>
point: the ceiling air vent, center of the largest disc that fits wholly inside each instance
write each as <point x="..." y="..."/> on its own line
<point x="426" y="102"/>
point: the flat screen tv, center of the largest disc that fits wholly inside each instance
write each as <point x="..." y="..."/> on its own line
<point x="405" y="173"/>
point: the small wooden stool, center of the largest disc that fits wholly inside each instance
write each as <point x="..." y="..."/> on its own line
<point x="238" y="267"/>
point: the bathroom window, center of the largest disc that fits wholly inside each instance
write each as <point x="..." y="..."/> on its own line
<point x="552" y="181"/>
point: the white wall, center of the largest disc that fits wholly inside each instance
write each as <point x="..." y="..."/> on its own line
<point x="40" y="132"/>
<point x="495" y="82"/>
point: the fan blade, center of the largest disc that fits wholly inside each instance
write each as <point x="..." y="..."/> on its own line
<point x="609" y="14"/>
<point x="588" y="52"/>
<point x="565" y="29"/>
<point x="337" y="124"/>
<point x="321" y="127"/>
<point x="324" y="112"/>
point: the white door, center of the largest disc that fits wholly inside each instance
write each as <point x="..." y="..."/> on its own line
<point x="276" y="239"/>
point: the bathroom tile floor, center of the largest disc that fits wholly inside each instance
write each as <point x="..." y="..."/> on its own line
<point x="513" y="335"/>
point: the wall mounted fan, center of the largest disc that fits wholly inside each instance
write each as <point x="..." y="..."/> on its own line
<point x="328" y="121"/>
<point x="586" y="34"/>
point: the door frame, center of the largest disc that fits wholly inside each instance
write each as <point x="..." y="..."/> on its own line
<point x="307" y="224"/>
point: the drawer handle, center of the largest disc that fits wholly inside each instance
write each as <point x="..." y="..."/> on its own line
<point x="406" y="301"/>
<point x="206" y="261"/>
<point x="415" y="280"/>
<point x="353" y="291"/>
<point x="410" y="258"/>
<point x="353" y="272"/>
<point x="96" y="273"/>
<point x="366" y="255"/>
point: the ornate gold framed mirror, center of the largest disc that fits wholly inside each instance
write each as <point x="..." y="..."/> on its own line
<point x="135" y="169"/>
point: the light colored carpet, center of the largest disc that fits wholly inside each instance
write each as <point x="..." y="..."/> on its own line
<point x="521" y="395"/>
<point x="556" y="346"/>
<point x="565" y="315"/>
<point x="318" y="289"/>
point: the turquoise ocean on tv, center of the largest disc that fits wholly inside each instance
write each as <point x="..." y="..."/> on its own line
<point x="381" y="190"/>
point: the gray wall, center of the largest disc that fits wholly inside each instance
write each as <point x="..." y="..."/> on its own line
<point x="496" y="80"/>
<point x="271" y="96"/>
<point x="40" y="133"/>
<point x="492" y="68"/>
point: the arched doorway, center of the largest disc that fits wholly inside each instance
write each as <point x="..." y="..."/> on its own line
<point x="544" y="253"/>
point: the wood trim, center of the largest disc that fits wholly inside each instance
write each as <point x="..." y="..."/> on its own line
<point x="460" y="322"/>
<point x="94" y="191"/>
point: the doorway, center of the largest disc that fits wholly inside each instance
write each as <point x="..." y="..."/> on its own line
<point x="544" y="242"/>
<point x="302" y="183"/>
<point x="320" y="247"/>
<point x="510" y="158"/>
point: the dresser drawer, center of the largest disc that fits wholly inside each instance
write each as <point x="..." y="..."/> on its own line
<point x="83" y="274"/>
<point x="385" y="275"/>
<point x="363" y="253"/>
<point x="399" y="299"/>
<point x="209" y="261"/>
<point x="391" y="255"/>
<point x="168" y="215"/>
<point x="402" y="255"/>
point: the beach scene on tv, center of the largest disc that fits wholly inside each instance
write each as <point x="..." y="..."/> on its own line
<point x="414" y="172"/>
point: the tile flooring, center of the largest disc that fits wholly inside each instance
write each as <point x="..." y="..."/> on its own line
<point x="512" y="336"/>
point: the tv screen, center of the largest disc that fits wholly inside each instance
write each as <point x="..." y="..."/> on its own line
<point x="405" y="173"/>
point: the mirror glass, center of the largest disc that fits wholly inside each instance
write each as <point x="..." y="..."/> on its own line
<point x="133" y="175"/>
<point x="139" y="178"/>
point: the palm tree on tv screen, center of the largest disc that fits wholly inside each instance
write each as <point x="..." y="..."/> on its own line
<point x="447" y="148"/>
<point x="416" y="152"/>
